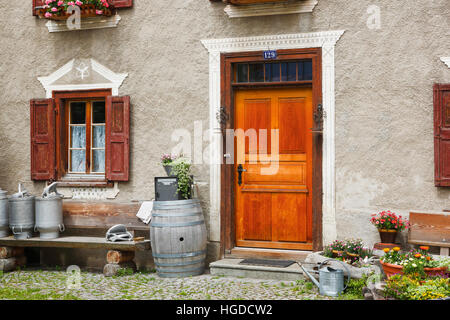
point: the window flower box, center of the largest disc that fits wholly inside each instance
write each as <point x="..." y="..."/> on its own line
<point x="238" y="2"/>
<point x="58" y="9"/>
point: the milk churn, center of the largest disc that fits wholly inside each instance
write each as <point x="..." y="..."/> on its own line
<point x="4" y="219"/>
<point x="21" y="214"/>
<point x="49" y="213"/>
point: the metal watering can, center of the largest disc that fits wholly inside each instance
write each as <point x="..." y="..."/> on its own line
<point x="331" y="281"/>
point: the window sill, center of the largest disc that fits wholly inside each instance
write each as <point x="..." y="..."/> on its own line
<point x="269" y="9"/>
<point x="100" y="22"/>
<point x="77" y="181"/>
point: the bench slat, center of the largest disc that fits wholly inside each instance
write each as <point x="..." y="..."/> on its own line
<point x="77" y="242"/>
<point x="429" y="228"/>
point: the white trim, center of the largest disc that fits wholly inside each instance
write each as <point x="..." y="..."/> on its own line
<point x="100" y="22"/>
<point x="116" y="79"/>
<point x="270" y="9"/>
<point x="446" y="60"/>
<point x="325" y="40"/>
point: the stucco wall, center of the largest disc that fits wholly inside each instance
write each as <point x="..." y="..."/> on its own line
<point x="384" y="103"/>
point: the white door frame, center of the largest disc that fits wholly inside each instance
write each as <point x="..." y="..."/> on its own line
<point x="325" y="40"/>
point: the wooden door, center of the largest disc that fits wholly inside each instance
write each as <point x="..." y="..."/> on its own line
<point x="273" y="206"/>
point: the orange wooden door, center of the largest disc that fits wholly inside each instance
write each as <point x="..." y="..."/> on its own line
<point x="273" y="201"/>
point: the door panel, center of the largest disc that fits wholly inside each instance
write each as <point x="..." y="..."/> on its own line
<point x="274" y="210"/>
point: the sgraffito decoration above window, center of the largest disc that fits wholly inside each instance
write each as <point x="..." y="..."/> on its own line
<point x="57" y="9"/>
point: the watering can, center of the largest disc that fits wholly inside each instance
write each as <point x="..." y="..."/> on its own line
<point x="331" y="281"/>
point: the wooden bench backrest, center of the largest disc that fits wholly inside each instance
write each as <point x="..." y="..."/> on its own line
<point x="101" y="215"/>
<point x="429" y="228"/>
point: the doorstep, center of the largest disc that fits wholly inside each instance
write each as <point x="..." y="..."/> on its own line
<point x="232" y="268"/>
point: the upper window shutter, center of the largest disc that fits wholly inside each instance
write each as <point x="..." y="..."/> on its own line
<point x="42" y="115"/>
<point x="37" y="3"/>
<point x="442" y="134"/>
<point x="117" y="138"/>
<point x="121" y="3"/>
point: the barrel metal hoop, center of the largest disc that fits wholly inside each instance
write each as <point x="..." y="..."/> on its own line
<point x="179" y="255"/>
<point x="179" y="270"/>
<point x="187" y="263"/>
<point x="175" y="225"/>
<point x="176" y="215"/>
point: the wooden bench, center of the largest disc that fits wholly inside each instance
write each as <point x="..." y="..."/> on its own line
<point x="86" y="225"/>
<point x="431" y="229"/>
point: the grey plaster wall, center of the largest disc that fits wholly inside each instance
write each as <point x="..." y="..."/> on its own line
<point x="384" y="102"/>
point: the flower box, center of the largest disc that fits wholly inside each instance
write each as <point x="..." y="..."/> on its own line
<point x="240" y="2"/>
<point x="86" y="10"/>
<point x="392" y="269"/>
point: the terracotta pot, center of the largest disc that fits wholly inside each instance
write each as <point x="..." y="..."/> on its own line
<point x="387" y="236"/>
<point x="392" y="269"/>
<point x="337" y="253"/>
<point x="353" y="255"/>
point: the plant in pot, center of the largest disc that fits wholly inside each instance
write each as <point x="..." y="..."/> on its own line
<point x="335" y="249"/>
<point x="353" y="249"/>
<point x="167" y="161"/>
<point x="388" y="225"/>
<point x="418" y="263"/>
<point x="58" y="9"/>
<point x="182" y="169"/>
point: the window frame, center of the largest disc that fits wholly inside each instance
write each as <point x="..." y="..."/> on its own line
<point x="62" y="174"/>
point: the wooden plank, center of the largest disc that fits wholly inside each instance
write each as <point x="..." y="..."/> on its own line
<point x="429" y="243"/>
<point x="244" y="253"/>
<point x="77" y="242"/>
<point x="429" y="228"/>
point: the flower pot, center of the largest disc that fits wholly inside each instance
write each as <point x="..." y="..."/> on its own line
<point x="168" y="169"/>
<point x="392" y="269"/>
<point x="86" y="11"/>
<point x="353" y="255"/>
<point x="337" y="253"/>
<point x="387" y="236"/>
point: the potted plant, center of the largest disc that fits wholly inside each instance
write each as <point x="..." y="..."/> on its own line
<point x="182" y="169"/>
<point x="416" y="262"/>
<point x="388" y="225"/>
<point x="166" y="161"/>
<point x="335" y="249"/>
<point x="353" y="248"/>
<point x="58" y="9"/>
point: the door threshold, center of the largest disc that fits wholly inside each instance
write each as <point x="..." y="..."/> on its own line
<point x="245" y="253"/>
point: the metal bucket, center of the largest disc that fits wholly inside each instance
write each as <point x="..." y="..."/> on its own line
<point x="49" y="217"/>
<point x="178" y="238"/>
<point x="4" y="218"/>
<point x="21" y="215"/>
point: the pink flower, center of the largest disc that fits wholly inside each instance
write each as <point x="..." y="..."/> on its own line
<point x="99" y="11"/>
<point x="78" y="3"/>
<point x="48" y="15"/>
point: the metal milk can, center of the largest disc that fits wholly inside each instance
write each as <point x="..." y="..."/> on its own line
<point x="331" y="281"/>
<point x="4" y="218"/>
<point x="49" y="213"/>
<point x="21" y="214"/>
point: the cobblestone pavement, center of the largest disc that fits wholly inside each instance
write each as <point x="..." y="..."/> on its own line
<point x="37" y="284"/>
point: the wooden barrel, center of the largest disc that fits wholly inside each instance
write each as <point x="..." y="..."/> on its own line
<point x="178" y="238"/>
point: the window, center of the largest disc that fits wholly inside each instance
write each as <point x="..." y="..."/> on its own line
<point x="80" y="136"/>
<point x="291" y="71"/>
<point x="86" y="147"/>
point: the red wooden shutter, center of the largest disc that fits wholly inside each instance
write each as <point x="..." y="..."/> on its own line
<point x="442" y="134"/>
<point x="43" y="158"/>
<point x="117" y="138"/>
<point x="37" y="3"/>
<point x="121" y="3"/>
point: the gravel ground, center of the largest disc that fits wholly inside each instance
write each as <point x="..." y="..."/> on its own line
<point x="38" y="284"/>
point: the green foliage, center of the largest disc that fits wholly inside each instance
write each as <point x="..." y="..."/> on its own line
<point x="182" y="169"/>
<point x="407" y="287"/>
<point x="354" y="289"/>
<point x="125" y="272"/>
<point x="12" y="293"/>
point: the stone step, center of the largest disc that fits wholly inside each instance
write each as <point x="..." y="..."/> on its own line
<point x="232" y="268"/>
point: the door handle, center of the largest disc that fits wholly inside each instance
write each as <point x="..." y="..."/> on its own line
<point x="240" y="169"/>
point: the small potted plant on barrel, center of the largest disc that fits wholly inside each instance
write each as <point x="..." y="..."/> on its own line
<point x="166" y="161"/>
<point x="388" y="225"/>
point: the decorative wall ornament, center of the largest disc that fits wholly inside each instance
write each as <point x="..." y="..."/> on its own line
<point x="269" y="9"/>
<point x="325" y="40"/>
<point x="82" y="74"/>
<point x="90" y="193"/>
<point x="446" y="60"/>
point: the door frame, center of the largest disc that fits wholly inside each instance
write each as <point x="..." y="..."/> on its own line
<point x="322" y="39"/>
<point x="227" y="216"/>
